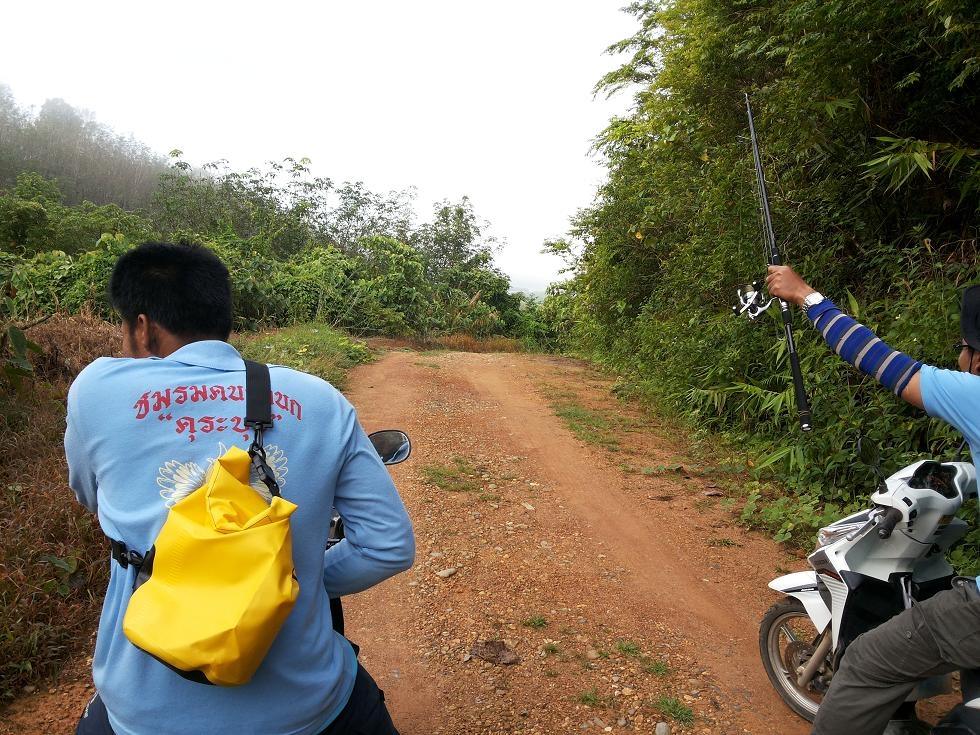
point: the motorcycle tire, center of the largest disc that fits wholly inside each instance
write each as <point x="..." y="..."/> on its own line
<point x="775" y="618"/>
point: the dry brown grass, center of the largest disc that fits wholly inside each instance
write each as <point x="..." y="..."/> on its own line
<point x="468" y="343"/>
<point x="52" y="553"/>
<point x="70" y="343"/>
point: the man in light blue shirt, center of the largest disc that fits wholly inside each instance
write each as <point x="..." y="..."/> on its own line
<point x="141" y="434"/>
<point x="938" y="635"/>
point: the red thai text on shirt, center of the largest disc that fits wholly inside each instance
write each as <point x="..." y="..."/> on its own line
<point x="162" y="402"/>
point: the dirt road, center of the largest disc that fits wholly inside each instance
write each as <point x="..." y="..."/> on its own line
<point x="642" y="586"/>
<point x="584" y="541"/>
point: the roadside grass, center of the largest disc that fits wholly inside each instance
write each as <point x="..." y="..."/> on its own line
<point x="467" y="343"/>
<point x="600" y="426"/>
<point x="701" y="503"/>
<point x="674" y="709"/>
<point x="628" y="648"/>
<point x="556" y="394"/>
<point x="657" y="667"/>
<point x="464" y="343"/>
<point x="550" y="648"/>
<point x="735" y="481"/>
<point x="312" y="348"/>
<point x="536" y="621"/>
<point x="458" y="477"/>
<point x="592" y="698"/>
<point x="590" y="426"/>
<point x="724" y="543"/>
<point x="675" y="468"/>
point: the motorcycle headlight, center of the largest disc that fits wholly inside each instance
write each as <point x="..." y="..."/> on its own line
<point x="830" y="534"/>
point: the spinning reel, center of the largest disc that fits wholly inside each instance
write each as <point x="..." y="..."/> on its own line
<point x="750" y="301"/>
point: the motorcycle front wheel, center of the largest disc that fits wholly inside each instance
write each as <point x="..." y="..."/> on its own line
<point x="787" y="641"/>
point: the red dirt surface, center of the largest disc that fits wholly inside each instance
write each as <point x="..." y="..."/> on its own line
<point x="618" y="563"/>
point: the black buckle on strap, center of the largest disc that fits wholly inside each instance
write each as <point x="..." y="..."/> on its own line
<point x="262" y="469"/>
<point x="125" y="556"/>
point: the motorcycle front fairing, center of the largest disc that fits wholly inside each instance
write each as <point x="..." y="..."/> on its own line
<point x="803" y="586"/>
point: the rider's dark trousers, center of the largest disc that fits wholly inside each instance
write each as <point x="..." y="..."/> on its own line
<point x="879" y="669"/>
<point x="365" y="713"/>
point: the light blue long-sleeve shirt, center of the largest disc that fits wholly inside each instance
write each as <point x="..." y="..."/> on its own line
<point x="141" y="434"/>
<point x="954" y="397"/>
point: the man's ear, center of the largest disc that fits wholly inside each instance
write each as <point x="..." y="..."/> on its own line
<point x="143" y="336"/>
<point x="975" y="364"/>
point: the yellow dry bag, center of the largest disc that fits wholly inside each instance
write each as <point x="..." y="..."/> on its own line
<point x="218" y="583"/>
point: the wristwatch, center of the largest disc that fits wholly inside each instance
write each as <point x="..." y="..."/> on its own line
<point x="812" y="300"/>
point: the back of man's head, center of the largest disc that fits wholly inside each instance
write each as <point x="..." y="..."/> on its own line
<point x="183" y="288"/>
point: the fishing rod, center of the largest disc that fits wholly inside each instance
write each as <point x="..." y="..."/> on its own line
<point x="750" y="298"/>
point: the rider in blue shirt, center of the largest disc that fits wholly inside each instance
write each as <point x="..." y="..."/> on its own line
<point x="142" y="432"/>
<point x="938" y="635"/>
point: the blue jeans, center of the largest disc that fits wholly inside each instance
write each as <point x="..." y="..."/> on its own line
<point x="364" y="714"/>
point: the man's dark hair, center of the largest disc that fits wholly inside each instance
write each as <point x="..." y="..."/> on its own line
<point x="184" y="288"/>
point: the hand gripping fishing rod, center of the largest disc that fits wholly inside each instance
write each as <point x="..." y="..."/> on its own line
<point x="750" y="299"/>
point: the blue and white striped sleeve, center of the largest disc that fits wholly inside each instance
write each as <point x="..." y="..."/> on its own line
<point x="862" y="348"/>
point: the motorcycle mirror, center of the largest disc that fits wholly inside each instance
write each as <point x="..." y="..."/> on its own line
<point x="392" y="446"/>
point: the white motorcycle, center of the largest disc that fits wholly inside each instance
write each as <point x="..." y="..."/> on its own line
<point x="867" y="567"/>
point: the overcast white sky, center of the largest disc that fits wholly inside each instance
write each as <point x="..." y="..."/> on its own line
<point x="490" y="100"/>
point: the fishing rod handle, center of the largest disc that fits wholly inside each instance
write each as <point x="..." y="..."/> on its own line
<point x="802" y="403"/>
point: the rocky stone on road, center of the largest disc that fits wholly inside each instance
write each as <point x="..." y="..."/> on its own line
<point x="496" y="652"/>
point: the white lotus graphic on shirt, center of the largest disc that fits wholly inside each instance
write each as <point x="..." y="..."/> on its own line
<point x="179" y="479"/>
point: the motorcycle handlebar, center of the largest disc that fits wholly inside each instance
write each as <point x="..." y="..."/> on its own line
<point x="888" y="522"/>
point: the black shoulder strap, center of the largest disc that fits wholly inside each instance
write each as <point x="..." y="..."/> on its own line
<point x="258" y="396"/>
<point x="258" y="417"/>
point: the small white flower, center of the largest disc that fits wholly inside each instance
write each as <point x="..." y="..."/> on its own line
<point x="177" y="480"/>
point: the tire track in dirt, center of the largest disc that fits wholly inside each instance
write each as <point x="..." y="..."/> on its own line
<point x="595" y="553"/>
